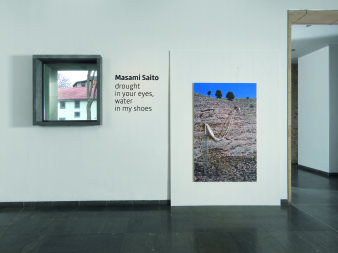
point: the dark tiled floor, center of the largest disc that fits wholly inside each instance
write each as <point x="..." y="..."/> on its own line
<point x="316" y="196"/>
<point x="308" y="226"/>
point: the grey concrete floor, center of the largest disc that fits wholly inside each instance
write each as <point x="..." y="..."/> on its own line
<point x="310" y="225"/>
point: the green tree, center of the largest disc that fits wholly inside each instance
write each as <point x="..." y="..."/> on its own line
<point x="230" y="95"/>
<point x="218" y="94"/>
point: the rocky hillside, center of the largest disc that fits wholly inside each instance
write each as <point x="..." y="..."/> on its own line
<point x="234" y="157"/>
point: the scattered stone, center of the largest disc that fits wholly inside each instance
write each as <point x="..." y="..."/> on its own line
<point x="232" y="159"/>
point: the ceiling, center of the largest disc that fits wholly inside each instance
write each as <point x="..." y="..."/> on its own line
<point x="312" y="30"/>
<point x="306" y="39"/>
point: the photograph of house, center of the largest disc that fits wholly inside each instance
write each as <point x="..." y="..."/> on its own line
<point x="72" y="103"/>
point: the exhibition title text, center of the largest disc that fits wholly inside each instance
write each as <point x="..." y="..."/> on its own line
<point x="133" y="93"/>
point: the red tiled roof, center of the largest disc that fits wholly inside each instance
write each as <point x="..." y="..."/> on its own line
<point x="73" y="93"/>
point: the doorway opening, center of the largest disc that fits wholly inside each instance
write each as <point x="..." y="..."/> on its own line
<point x="305" y="18"/>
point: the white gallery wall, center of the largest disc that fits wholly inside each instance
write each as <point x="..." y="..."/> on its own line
<point x="333" y="62"/>
<point x="232" y="67"/>
<point x="313" y="110"/>
<point x="317" y="103"/>
<point x="127" y="157"/>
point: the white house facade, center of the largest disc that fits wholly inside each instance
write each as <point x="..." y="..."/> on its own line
<point x="72" y="104"/>
<point x="75" y="110"/>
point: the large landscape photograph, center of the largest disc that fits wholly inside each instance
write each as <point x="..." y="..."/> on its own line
<point x="225" y="132"/>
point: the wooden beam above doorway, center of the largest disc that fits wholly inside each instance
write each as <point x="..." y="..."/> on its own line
<point x="313" y="17"/>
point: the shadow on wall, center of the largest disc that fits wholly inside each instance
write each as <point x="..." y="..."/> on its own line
<point x="21" y="107"/>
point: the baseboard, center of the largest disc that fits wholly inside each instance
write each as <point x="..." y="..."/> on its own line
<point x="284" y="202"/>
<point x="318" y="172"/>
<point x="129" y="203"/>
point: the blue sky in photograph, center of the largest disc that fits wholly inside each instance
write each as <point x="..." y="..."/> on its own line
<point x="240" y="90"/>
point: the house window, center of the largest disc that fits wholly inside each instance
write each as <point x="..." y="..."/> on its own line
<point x="61" y="78"/>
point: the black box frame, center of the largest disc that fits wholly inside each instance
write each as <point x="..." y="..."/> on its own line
<point x="38" y="82"/>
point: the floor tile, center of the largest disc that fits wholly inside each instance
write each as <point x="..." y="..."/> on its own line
<point x="19" y="243"/>
<point x="140" y="243"/>
<point x="308" y="241"/>
<point x="82" y="243"/>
